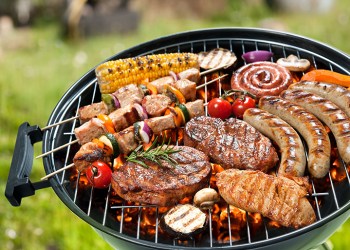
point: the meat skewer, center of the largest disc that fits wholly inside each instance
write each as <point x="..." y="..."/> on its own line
<point x="86" y="114"/>
<point x="126" y="140"/>
<point x="121" y="119"/>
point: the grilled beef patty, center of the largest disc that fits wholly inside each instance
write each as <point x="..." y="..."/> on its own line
<point x="163" y="184"/>
<point x="232" y="143"/>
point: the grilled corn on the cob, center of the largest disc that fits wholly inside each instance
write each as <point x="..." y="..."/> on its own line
<point x="112" y="75"/>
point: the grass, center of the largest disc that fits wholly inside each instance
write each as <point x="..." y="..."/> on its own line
<point x="33" y="79"/>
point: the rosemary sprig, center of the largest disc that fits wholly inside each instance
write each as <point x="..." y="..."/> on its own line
<point x="160" y="153"/>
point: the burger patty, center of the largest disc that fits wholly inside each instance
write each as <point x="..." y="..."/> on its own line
<point x="232" y="143"/>
<point x="163" y="184"/>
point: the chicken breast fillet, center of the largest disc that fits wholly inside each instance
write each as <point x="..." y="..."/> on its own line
<point x="278" y="198"/>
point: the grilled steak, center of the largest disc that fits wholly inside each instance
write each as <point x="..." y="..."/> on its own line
<point x="278" y="198"/>
<point x="232" y="143"/>
<point x="163" y="184"/>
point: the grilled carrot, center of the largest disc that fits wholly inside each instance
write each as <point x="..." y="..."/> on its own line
<point x="112" y="75"/>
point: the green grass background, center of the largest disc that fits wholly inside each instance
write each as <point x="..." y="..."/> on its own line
<point x="35" y="76"/>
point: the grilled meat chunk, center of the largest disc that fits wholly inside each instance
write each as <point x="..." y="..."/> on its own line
<point x="89" y="111"/>
<point x="187" y="88"/>
<point x="156" y="105"/>
<point x="163" y="184"/>
<point x="279" y="198"/>
<point x="87" y="154"/>
<point x="129" y="94"/>
<point x="232" y="143"/>
<point x="89" y="130"/>
<point x="192" y="74"/>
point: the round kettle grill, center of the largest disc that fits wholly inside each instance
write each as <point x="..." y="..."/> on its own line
<point x="132" y="226"/>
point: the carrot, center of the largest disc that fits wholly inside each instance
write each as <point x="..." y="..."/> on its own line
<point x="321" y="75"/>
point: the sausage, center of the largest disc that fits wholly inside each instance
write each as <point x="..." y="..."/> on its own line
<point x="262" y="78"/>
<point x="337" y="94"/>
<point x="293" y="160"/>
<point x="310" y="128"/>
<point x="325" y="110"/>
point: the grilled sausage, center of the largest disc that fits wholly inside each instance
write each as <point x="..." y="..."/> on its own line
<point x="293" y="160"/>
<point x="262" y="78"/>
<point x="337" y="94"/>
<point x="337" y="121"/>
<point x="310" y="128"/>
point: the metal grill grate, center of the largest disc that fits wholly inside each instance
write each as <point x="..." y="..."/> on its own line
<point x="96" y="204"/>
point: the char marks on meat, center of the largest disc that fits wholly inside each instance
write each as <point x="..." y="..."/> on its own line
<point x="163" y="184"/>
<point x="232" y="143"/>
<point x="88" y="153"/>
<point x="278" y="198"/>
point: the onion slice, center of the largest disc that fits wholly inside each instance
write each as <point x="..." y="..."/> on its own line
<point x="141" y="111"/>
<point x="142" y="132"/>
<point x="257" y="56"/>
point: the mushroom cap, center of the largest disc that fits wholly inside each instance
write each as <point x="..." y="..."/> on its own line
<point x="206" y="198"/>
<point x="293" y="63"/>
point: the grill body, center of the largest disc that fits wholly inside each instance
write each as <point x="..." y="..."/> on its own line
<point x="335" y="208"/>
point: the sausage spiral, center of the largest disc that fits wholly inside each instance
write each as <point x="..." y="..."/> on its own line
<point x="262" y="78"/>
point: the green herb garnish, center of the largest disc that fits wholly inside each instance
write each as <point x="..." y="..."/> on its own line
<point x="160" y="153"/>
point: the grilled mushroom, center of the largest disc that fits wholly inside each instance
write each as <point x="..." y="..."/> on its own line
<point x="206" y="198"/>
<point x="184" y="221"/>
<point x="293" y="63"/>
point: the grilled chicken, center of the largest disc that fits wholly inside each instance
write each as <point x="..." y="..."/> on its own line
<point x="279" y="198"/>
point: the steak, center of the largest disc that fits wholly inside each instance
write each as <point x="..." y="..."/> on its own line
<point x="163" y="184"/>
<point x="279" y="198"/>
<point x="232" y="143"/>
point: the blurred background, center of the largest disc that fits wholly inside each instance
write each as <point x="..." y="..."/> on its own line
<point x="47" y="45"/>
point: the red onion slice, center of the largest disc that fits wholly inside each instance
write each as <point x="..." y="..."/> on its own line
<point x="116" y="101"/>
<point x="174" y="75"/>
<point x="257" y="56"/>
<point x="141" y="111"/>
<point x="145" y="132"/>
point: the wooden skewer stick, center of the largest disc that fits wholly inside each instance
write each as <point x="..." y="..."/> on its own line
<point x="56" y="149"/>
<point x="59" y="123"/>
<point x="213" y="69"/>
<point x="57" y="171"/>
<point x="214" y="80"/>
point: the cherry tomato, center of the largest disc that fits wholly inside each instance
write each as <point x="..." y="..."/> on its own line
<point x="219" y="108"/>
<point x="242" y="104"/>
<point x="99" y="174"/>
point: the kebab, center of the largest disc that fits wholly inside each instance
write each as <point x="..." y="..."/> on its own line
<point x="124" y="142"/>
<point x="104" y="119"/>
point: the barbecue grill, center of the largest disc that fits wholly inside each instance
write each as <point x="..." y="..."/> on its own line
<point x="127" y="225"/>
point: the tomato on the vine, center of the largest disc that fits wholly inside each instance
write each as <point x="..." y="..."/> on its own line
<point x="99" y="174"/>
<point x="242" y="104"/>
<point x="219" y="108"/>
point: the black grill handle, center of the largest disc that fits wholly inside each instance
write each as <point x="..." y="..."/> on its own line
<point x="18" y="182"/>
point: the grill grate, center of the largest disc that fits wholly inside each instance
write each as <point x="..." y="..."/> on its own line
<point x="97" y="204"/>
